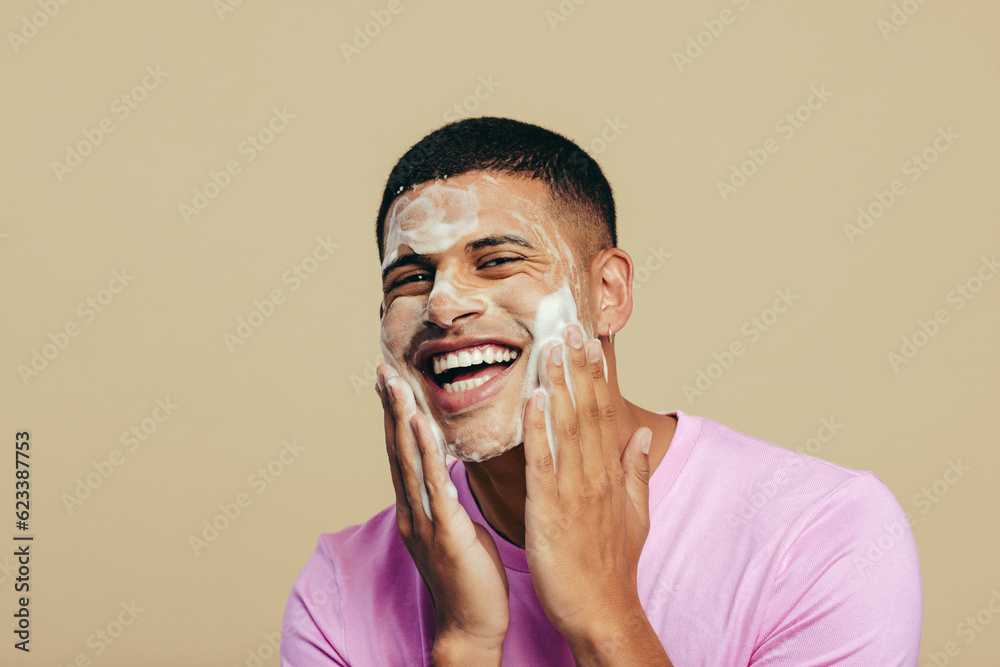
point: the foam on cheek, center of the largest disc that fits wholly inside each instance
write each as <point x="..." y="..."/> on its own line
<point x="556" y="311"/>
<point x="416" y="400"/>
<point x="431" y="223"/>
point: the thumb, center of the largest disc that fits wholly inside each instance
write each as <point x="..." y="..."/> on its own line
<point x="635" y="463"/>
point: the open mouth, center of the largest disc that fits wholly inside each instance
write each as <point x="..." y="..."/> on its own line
<point x="468" y="368"/>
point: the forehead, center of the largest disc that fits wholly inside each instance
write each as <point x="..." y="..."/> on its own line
<point x="438" y="214"/>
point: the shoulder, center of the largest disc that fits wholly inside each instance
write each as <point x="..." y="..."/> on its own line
<point x="332" y="605"/>
<point x="762" y="480"/>
<point x="806" y="549"/>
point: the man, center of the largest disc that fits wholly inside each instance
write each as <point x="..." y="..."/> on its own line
<point x="574" y="525"/>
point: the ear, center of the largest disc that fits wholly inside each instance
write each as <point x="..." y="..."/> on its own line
<point x="611" y="291"/>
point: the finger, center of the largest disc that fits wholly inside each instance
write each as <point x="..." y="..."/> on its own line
<point x="441" y="492"/>
<point x="407" y="455"/>
<point x="539" y="471"/>
<point x="635" y="463"/>
<point x="404" y="515"/>
<point x="587" y="409"/>
<point x="607" y="414"/>
<point x="565" y="425"/>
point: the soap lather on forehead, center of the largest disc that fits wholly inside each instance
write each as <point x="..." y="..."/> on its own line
<point x="440" y="215"/>
<point x="433" y="221"/>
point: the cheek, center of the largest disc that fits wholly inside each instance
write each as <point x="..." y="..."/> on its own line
<point x="523" y="305"/>
<point x="399" y="324"/>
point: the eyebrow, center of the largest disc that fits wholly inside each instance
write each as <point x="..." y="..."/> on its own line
<point x="472" y="246"/>
<point x="502" y="239"/>
<point x="408" y="258"/>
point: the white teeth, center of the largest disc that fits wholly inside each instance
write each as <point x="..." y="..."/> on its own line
<point x="488" y="354"/>
<point x="463" y="385"/>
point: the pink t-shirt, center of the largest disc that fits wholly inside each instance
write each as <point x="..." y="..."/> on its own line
<point x="756" y="555"/>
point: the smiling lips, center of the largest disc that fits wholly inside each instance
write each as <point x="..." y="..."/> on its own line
<point x="460" y="370"/>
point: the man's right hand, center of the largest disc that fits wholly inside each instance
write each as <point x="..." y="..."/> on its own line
<point x="457" y="558"/>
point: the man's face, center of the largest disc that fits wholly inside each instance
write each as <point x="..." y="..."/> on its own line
<point x="478" y="277"/>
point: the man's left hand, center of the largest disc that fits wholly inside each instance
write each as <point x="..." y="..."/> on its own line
<point x="587" y="511"/>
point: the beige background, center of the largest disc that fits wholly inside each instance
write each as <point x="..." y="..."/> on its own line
<point x="304" y="374"/>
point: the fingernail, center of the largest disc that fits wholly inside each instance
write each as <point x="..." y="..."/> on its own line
<point x="645" y="442"/>
<point x="594" y="351"/>
<point x="575" y="337"/>
<point x="555" y="354"/>
<point x="391" y="386"/>
<point x="451" y="490"/>
<point x="540" y="401"/>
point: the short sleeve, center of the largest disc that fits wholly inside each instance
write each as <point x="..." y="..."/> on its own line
<point x="314" y="624"/>
<point x="848" y="590"/>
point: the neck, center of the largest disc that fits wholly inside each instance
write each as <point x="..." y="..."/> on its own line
<point x="498" y="484"/>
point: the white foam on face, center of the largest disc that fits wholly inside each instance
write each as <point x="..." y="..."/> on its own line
<point x="433" y="221"/>
<point x="556" y="312"/>
<point x="430" y="223"/>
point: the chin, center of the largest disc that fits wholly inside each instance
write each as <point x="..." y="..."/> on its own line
<point x="480" y="447"/>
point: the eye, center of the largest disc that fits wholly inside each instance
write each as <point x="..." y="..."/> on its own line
<point x="411" y="278"/>
<point x="498" y="261"/>
<point x="412" y="282"/>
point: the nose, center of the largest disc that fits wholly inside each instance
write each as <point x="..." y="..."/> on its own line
<point x="449" y="303"/>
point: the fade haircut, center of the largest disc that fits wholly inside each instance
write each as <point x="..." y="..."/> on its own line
<point x="579" y="191"/>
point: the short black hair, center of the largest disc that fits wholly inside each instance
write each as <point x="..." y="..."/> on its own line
<point x="575" y="181"/>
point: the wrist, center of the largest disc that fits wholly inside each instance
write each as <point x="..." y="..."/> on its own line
<point x="455" y="648"/>
<point x="610" y="640"/>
